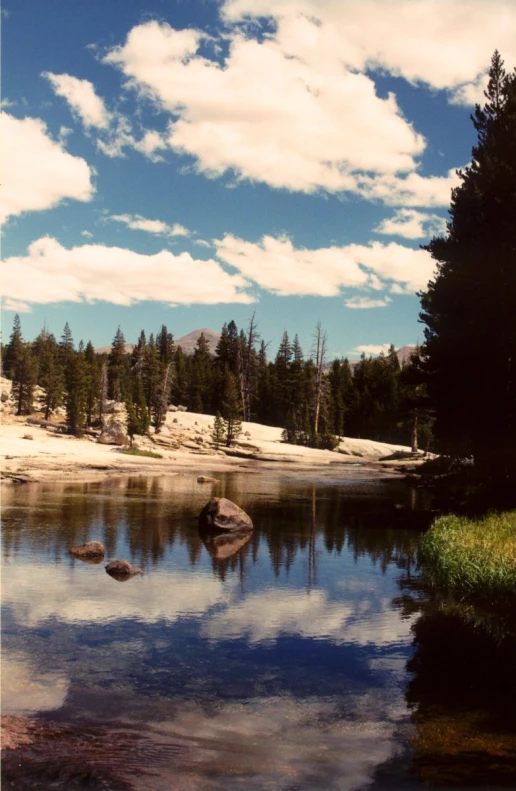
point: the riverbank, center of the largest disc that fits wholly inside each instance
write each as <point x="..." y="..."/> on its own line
<point x="475" y="557"/>
<point x="32" y="452"/>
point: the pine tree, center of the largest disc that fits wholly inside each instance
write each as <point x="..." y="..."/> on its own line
<point x="138" y="417"/>
<point x="77" y="389"/>
<point x="51" y="375"/>
<point x="118" y="368"/>
<point x="93" y="373"/>
<point x="13" y="349"/>
<point x="25" y="375"/>
<point x="231" y="409"/>
<point x="218" y="434"/>
<point x="469" y="306"/>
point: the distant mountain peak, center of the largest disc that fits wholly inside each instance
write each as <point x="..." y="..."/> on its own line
<point x="189" y="342"/>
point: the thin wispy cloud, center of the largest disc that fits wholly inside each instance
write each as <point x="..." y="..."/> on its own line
<point x="366" y="303"/>
<point x="158" y="227"/>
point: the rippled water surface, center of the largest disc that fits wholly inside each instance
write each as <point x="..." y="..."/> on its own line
<point x="298" y="659"/>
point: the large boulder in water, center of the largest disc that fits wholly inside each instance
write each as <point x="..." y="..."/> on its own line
<point x="89" y="550"/>
<point x="223" y="514"/>
<point x="122" y="570"/>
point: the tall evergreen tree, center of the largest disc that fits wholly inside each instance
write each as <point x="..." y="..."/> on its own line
<point x="231" y="409"/>
<point x="25" y="375"/>
<point x="51" y="375"/>
<point x="118" y="367"/>
<point x="77" y="390"/>
<point x="469" y="307"/>
<point x="13" y="349"/>
<point x="92" y="372"/>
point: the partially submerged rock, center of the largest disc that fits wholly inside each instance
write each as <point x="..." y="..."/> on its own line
<point x="122" y="570"/>
<point x="89" y="550"/>
<point x="222" y="514"/>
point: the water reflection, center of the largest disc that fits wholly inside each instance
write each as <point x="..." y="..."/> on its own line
<point x="276" y="662"/>
<point x="463" y="692"/>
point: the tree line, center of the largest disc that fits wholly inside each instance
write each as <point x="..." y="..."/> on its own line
<point x="312" y="400"/>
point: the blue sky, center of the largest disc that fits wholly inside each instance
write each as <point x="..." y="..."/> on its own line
<point x="189" y="163"/>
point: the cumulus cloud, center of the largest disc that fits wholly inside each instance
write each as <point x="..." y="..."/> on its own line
<point x="412" y="224"/>
<point x="265" y="115"/>
<point x="446" y="46"/>
<point x="276" y="265"/>
<point x="298" y="108"/>
<point x="362" y="303"/>
<point x="138" y="223"/>
<point x="85" y="273"/>
<point x="81" y="96"/>
<point x="37" y="171"/>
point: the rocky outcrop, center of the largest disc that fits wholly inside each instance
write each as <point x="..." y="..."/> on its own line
<point x="91" y="549"/>
<point x="114" y="433"/>
<point x="222" y="514"/>
<point x="122" y="570"/>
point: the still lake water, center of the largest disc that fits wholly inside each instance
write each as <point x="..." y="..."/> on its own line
<point x="308" y="657"/>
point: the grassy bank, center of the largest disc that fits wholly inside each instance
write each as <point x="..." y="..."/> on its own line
<point x="472" y="556"/>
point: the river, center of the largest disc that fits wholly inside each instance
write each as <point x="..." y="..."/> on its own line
<point x="307" y="657"/>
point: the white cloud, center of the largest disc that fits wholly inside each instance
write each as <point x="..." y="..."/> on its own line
<point x="298" y="108"/>
<point x="81" y="96"/>
<point x="87" y="234"/>
<point x="265" y="115"/>
<point x="26" y="689"/>
<point x="37" y="172"/>
<point x="138" y="223"/>
<point x="410" y="190"/>
<point x="150" y="143"/>
<point x="114" y="128"/>
<point x="371" y="349"/>
<point x="264" y="617"/>
<point x="16" y="305"/>
<point x="412" y="224"/>
<point x="52" y="273"/>
<point x="276" y="265"/>
<point x="365" y="302"/>
<point x="71" y="597"/>
<point x="445" y="45"/>
<point x="203" y="243"/>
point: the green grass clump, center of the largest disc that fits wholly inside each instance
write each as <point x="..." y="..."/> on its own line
<point x="149" y="454"/>
<point x="472" y="556"/>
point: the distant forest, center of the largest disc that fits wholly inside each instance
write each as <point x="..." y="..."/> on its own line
<point x="314" y="400"/>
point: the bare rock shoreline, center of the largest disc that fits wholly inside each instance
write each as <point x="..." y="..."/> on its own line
<point x="184" y="443"/>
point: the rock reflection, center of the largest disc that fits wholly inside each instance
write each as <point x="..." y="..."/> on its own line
<point x="222" y="546"/>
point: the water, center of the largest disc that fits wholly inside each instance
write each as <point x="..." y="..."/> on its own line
<point x="307" y="657"/>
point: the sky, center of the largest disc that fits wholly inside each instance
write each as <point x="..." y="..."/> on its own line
<point x="189" y="162"/>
